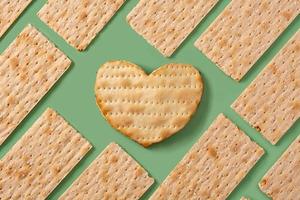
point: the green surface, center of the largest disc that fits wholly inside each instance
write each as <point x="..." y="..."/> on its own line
<point x="73" y="97"/>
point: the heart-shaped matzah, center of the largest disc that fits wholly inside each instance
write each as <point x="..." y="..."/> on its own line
<point x="148" y="108"/>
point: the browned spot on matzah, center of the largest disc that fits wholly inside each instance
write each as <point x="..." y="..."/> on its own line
<point x="282" y="181"/>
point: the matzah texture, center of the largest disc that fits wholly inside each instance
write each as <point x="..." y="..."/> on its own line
<point x="166" y="24"/>
<point x="214" y="166"/>
<point x="113" y="175"/>
<point x="244" y="31"/>
<point x="29" y="67"/>
<point x="148" y="108"/>
<point x="41" y="158"/>
<point x="282" y="181"/>
<point x="271" y="103"/>
<point x="244" y="198"/>
<point x="79" y="21"/>
<point x="10" y="11"/>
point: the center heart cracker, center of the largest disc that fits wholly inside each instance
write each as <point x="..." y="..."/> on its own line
<point x="148" y="108"/>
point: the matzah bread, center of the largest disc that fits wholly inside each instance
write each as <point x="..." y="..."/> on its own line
<point x="29" y="67"/>
<point x="213" y="167"/>
<point x="79" y="21"/>
<point x="112" y="175"/>
<point x="166" y="24"/>
<point x="38" y="162"/>
<point x="147" y="108"/>
<point x="10" y="11"/>
<point x="271" y="103"/>
<point x="282" y="181"/>
<point x="244" y="31"/>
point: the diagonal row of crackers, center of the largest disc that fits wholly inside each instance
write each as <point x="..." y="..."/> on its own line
<point x="244" y="31"/>
<point x="112" y="175"/>
<point x="50" y="149"/>
<point x="29" y="67"/>
<point x="214" y="166"/>
<point x="38" y="162"/>
<point x="10" y="11"/>
<point x="166" y="24"/>
<point x="271" y="103"/>
<point x="79" y="21"/>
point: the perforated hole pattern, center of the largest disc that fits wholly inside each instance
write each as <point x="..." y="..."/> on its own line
<point x="148" y="108"/>
<point x="112" y="175"/>
<point x="41" y="158"/>
<point x="244" y="31"/>
<point x="214" y="166"/>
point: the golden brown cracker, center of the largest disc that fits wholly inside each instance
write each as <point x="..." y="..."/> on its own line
<point x="148" y="108"/>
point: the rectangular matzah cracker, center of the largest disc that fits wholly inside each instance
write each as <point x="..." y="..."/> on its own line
<point x="214" y="166"/>
<point x="282" y="181"/>
<point x="10" y="11"/>
<point x="29" y="67"/>
<point x="271" y="103"/>
<point x="166" y="24"/>
<point x="244" y="31"/>
<point x="38" y="162"/>
<point x="79" y="21"/>
<point x="113" y="175"/>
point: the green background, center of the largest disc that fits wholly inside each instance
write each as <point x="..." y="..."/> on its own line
<point x="73" y="97"/>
